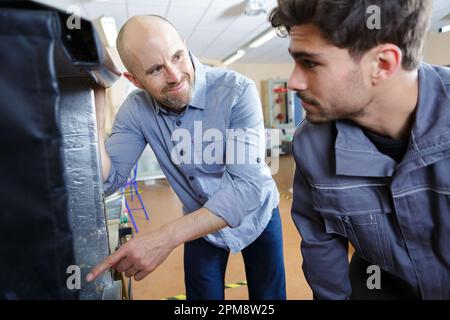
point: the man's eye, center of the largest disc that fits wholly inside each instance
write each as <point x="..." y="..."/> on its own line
<point x="178" y="57"/>
<point x="156" y="71"/>
<point x="309" y="64"/>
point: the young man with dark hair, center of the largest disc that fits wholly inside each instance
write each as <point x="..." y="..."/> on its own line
<point x="373" y="156"/>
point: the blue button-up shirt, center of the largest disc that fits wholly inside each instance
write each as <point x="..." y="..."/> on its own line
<point x="242" y="192"/>
<point x="396" y="215"/>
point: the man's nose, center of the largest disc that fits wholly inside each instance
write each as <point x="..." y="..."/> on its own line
<point x="173" y="75"/>
<point x="297" y="80"/>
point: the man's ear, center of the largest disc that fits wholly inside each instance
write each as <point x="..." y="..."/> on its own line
<point x="133" y="80"/>
<point x="387" y="61"/>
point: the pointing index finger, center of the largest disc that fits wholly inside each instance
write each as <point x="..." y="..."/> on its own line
<point x="108" y="263"/>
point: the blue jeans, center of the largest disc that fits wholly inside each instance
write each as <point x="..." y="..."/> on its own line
<point x="205" y="264"/>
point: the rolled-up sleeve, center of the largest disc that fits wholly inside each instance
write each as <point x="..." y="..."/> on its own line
<point x="247" y="178"/>
<point x="325" y="256"/>
<point x="124" y="146"/>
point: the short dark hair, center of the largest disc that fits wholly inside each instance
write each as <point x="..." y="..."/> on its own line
<point x="344" y="23"/>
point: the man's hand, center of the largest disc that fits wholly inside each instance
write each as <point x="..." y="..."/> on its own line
<point x="138" y="257"/>
<point x="143" y="255"/>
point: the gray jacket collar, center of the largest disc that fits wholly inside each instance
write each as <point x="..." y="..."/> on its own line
<point x="429" y="139"/>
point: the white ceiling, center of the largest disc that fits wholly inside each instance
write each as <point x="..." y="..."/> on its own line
<point x="213" y="28"/>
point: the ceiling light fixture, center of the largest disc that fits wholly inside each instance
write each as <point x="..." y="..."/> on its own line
<point x="255" y="7"/>
<point x="235" y="56"/>
<point x="263" y="38"/>
<point x="445" y="29"/>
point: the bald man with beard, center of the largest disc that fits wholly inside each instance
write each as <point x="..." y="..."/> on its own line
<point x="227" y="206"/>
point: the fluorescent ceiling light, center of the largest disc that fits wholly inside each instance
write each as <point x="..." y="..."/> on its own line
<point x="258" y="41"/>
<point x="445" y="28"/>
<point x="263" y="38"/>
<point x="235" y="56"/>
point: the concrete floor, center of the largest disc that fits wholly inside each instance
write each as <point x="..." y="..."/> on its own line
<point x="168" y="280"/>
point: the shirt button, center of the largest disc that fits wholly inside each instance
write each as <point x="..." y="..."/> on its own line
<point x="181" y="152"/>
<point x="178" y="122"/>
<point x="191" y="178"/>
<point x="258" y="160"/>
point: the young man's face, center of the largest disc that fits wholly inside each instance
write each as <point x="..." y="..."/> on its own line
<point x="330" y="83"/>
